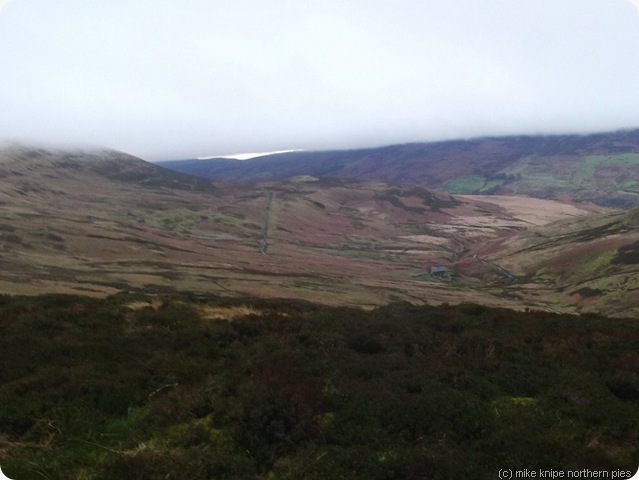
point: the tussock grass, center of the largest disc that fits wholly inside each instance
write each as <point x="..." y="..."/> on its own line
<point x="210" y="312"/>
<point x="154" y="304"/>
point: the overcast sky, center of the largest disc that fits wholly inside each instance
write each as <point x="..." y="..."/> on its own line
<point x="169" y="79"/>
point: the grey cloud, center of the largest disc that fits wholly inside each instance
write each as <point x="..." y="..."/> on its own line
<point x="178" y="79"/>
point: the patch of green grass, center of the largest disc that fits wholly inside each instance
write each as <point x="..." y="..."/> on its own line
<point x="231" y="220"/>
<point x="178" y="220"/>
<point x="597" y="263"/>
<point x="589" y="172"/>
<point x="491" y="185"/>
<point x="598" y="178"/>
<point x="548" y="274"/>
<point x="473" y="185"/>
<point x="620" y="159"/>
<point x="466" y="185"/>
<point x="630" y="186"/>
<point x="600" y="284"/>
<point x="548" y="180"/>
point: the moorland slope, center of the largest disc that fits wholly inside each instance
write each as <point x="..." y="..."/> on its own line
<point x="139" y="387"/>
<point x="103" y="222"/>
<point x="188" y="362"/>
<point x="602" y="167"/>
<point x="590" y="263"/>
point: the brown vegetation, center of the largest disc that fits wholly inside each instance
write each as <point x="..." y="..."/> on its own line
<point x="71" y="226"/>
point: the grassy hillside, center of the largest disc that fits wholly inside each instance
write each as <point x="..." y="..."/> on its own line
<point x="73" y="222"/>
<point x="145" y="387"/>
<point x="604" y="179"/>
<point x="591" y="263"/>
<point x="26" y="167"/>
<point x="597" y="167"/>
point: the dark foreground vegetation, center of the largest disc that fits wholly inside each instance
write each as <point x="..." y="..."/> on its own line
<point x="143" y="388"/>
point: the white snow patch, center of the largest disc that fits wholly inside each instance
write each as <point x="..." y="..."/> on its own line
<point x="247" y="156"/>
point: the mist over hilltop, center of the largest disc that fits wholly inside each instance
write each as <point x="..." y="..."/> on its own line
<point x="173" y="80"/>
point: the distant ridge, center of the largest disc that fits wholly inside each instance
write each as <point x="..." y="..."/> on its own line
<point x="32" y="163"/>
<point x="600" y="167"/>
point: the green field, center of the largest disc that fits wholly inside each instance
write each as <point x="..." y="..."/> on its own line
<point x="472" y="184"/>
<point x="605" y="179"/>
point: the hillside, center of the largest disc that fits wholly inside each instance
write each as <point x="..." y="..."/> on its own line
<point x="600" y="167"/>
<point x="98" y="223"/>
<point x="71" y="222"/>
<point x="590" y="263"/>
<point x="29" y="169"/>
<point x="212" y="329"/>
<point x="137" y="387"/>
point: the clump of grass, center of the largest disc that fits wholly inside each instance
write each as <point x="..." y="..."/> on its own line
<point x="153" y="304"/>
<point x="212" y="312"/>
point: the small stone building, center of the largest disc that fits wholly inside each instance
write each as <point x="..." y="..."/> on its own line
<point x="438" y="271"/>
